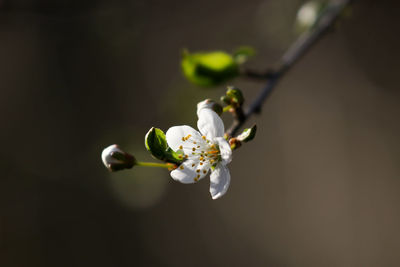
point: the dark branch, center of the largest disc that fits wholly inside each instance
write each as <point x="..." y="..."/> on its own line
<point x="251" y="74"/>
<point x="292" y="55"/>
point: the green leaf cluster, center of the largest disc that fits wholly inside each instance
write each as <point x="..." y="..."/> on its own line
<point x="209" y="68"/>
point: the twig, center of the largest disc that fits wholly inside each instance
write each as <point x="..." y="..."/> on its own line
<point x="292" y="55"/>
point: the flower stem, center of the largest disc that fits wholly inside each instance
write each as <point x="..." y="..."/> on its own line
<point x="154" y="164"/>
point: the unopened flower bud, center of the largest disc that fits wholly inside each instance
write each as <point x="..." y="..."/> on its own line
<point x="234" y="143"/>
<point x="308" y="15"/>
<point x="248" y="134"/>
<point x="116" y="159"/>
<point x="211" y="104"/>
<point x="226" y="99"/>
<point x="235" y="95"/>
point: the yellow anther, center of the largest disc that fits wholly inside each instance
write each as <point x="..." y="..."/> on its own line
<point x="201" y="158"/>
<point x="194" y="149"/>
<point x="201" y="163"/>
<point x="196" y="179"/>
<point x="180" y="147"/>
<point x="188" y="136"/>
<point x="181" y="167"/>
<point x="212" y="161"/>
<point x="193" y="165"/>
<point x="186" y="156"/>
<point x="198" y="170"/>
<point x="202" y="151"/>
<point x="198" y="176"/>
<point x="204" y="171"/>
<point x="204" y="138"/>
<point x="194" y="142"/>
<point x="183" y="139"/>
<point x="180" y="156"/>
<point x="198" y="146"/>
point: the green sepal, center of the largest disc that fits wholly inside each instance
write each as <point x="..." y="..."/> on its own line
<point x="242" y="54"/>
<point x="248" y="134"/>
<point x="209" y="68"/>
<point x="156" y="144"/>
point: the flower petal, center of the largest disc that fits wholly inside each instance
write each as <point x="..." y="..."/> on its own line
<point x="174" y="136"/>
<point x="225" y="150"/>
<point x="185" y="173"/>
<point x="201" y="170"/>
<point x="190" y="172"/>
<point x="220" y="179"/>
<point x="210" y="124"/>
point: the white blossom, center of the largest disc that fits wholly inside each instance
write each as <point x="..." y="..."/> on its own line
<point x="203" y="151"/>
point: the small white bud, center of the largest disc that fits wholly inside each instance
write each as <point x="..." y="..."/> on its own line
<point x="116" y="159"/>
<point x="308" y="14"/>
<point x="211" y="104"/>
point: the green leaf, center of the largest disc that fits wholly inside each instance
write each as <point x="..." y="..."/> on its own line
<point x="209" y="68"/>
<point x="248" y="134"/>
<point x="156" y="144"/>
<point x="243" y="53"/>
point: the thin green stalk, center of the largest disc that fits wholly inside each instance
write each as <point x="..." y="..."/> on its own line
<point x="154" y="164"/>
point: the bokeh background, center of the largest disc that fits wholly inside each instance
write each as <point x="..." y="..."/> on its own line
<point x="319" y="186"/>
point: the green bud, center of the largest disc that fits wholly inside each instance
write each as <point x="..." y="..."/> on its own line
<point x="209" y="68"/>
<point x="211" y="104"/>
<point x="235" y="95"/>
<point x="226" y="99"/>
<point x="156" y="144"/>
<point x="115" y="159"/>
<point x="248" y="134"/>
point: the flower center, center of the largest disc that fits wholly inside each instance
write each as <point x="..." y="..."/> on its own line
<point x="203" y="150"/>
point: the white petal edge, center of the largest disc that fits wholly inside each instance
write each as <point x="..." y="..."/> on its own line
<point x="201" y="105"/>
<point x="189" y="172"/>
<point x="174" y="135"/>
<point x="225" y="150"/>
<point x="106" y="155"/>
<point x="185" y="175"/>
<point x="210" y="124"/>
<point x="220" y="179"/>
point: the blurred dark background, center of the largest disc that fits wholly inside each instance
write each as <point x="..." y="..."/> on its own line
<point x="319" y="186"/>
